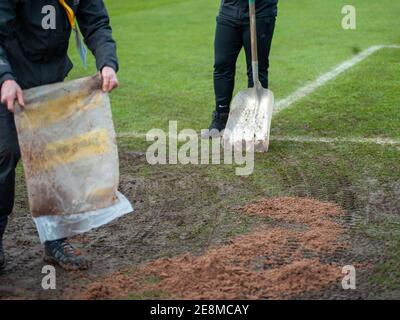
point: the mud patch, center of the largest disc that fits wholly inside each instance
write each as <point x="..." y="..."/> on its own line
<point x="190" y="209"/>
<point x="178" y="210"/>
<point x="275" y="261"/>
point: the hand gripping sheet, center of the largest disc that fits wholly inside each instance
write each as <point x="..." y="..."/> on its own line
<point x="70" y="156"/>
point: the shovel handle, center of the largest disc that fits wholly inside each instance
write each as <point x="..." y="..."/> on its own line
<point x="253" y="37"/>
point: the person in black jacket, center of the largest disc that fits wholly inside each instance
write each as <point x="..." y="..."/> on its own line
<point x="232" y="34"/>
<point x="34" y="38"/>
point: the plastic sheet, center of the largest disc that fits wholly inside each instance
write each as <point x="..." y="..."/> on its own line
<point x="69" y="151"/>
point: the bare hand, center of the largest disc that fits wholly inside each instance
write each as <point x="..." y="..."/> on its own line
<point x="11" y="91"/>
<point x="109" y="78"/>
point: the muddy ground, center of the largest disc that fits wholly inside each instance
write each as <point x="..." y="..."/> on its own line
<point x="178" y="210"/>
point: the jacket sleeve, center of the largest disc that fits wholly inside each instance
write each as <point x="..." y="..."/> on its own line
<point x="94" y="24"/>
<point x="7" y="21"/>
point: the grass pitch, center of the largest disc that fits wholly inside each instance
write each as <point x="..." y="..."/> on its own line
<point x="166" y="57"/>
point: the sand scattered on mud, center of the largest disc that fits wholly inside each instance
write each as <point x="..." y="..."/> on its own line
<point x="319" y="217"/>
<point x="273" y="262"/>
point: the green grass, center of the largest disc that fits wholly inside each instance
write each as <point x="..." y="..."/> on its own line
<point x="166" y="53"/>
<point x="119" y="8"/>
<point x="387" y="273"/>
<point x="147" y="295"/>
<point x="166" y="56"/>
<point x="359" y="103"/>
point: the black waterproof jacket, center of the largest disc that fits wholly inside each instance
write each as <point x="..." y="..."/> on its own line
<point x="239" y="9"/>
<point x="34" y="38"/>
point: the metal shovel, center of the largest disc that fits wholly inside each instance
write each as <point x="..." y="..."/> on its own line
<point x="249" y="121"/>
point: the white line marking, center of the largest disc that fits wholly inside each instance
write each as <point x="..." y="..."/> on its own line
<point x="379" y="141"/>
<point x="308" y="89"/>
<point x="131" y="134"/>
<point x="392" y="46"/>
<point x="300" y="139"/>
<point x="330" y="75"/>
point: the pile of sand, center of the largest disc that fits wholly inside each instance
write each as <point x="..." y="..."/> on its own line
<point x="270" y="263"/>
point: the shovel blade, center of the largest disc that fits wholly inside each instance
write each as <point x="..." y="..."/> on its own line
<point x="249" y="121"/>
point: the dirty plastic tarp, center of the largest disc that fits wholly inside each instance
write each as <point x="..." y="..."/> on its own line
<point x="70" y="156"/>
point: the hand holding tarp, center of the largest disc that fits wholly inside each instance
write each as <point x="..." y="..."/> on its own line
<point x="10" y="93"/>
<point x="109" y="79"/>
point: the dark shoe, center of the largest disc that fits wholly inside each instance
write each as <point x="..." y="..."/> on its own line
<point x="65" y="255"/>
<point x="217" y="126"/>
<point x="2" y="257"/>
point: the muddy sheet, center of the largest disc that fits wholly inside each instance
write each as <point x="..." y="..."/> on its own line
<point x="70" y="157"/>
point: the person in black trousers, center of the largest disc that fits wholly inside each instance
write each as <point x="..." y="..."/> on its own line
<point x="233" y="34"/>
<point x="34" y="38"/>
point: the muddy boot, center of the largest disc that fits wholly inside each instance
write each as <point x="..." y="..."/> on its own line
<point x="217" y="126"/>
<point x="65" y="255"/>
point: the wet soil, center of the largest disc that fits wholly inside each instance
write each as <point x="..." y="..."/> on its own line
<point x="188" y="226"/>
<point x="176" y="211"/>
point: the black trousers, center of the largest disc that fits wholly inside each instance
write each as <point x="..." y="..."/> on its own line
<point x="230" y="37"/>
<point x="9" y="157"/>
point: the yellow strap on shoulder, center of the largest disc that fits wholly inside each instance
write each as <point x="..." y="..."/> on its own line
<point x="70" y="13"/>
<point x="79" y="43"/>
